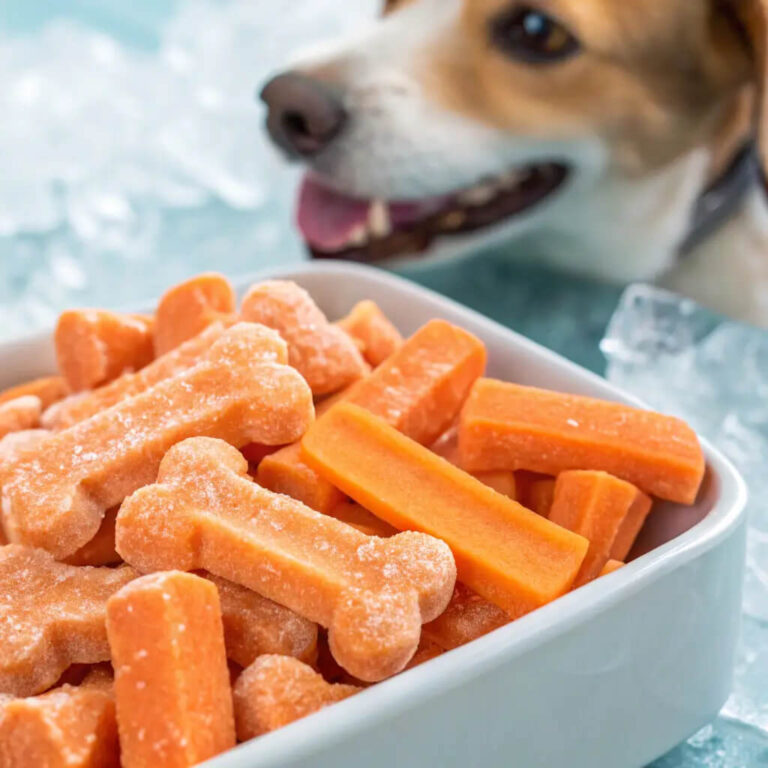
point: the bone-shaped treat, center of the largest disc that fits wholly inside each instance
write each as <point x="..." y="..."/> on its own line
<point x="56" y="497"/>
<point x="68" y="727"/>
<point x="324" y="354"/>
<point x="94" y="346"/>
<point x="51" y="616"/>
<point x="277" y="690"/>
<point x="83" y="405"/>
<point x="373" y="594"/>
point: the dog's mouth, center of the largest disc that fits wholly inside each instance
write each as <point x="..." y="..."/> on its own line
<point x="335" y="225"/>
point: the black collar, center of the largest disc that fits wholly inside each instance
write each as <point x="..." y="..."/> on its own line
<point x="722" y="198"/>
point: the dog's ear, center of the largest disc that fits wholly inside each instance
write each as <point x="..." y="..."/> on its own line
<point x="752" y="18"/>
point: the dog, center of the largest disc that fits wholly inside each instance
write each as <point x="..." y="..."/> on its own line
<point x="617" y="139"/>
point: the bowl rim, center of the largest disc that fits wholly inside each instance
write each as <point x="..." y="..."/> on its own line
<point x="452" y="669"/>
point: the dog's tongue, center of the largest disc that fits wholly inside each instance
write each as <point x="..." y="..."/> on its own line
<point x="328" y="219"/>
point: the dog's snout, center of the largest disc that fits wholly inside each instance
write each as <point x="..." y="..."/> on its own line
<point x="304" y="116"/>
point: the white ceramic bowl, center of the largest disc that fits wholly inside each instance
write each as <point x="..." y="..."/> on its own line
<point x="609" y="676"/>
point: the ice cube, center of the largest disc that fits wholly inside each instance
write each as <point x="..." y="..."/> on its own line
<point x="681" y="359"/>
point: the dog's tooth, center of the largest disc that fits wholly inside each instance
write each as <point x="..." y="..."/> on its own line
<point x="478" y="195"/>
<point x="452" y="220"/>
<point x="379" y="222"/>
<point x="510" y="179"/>
<point x="358" y="236"/>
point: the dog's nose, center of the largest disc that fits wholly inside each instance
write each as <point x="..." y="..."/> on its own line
<point x="304" y="114"/>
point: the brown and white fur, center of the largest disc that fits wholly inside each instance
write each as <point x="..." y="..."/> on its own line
<point x="650" y="110"/>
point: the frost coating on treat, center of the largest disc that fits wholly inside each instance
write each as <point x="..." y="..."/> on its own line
<point x="83" y="405"/>
<point x="323" y="353"/>
<point x="254" y="625"/>
<point x="277" y="690"/>
<point x="94" y="346"/>
<point x="55" y="498"/>
<point x="174" y="702"/>
<point x="23" y="413"/>
<point x="51" y="616"/>
<point x="68" y="727"/>
<point x="372" y="593"/>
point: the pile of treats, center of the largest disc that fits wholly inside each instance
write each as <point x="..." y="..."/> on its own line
<point x="216" y="521"/>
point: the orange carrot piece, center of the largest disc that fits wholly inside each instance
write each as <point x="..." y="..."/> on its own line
<point x="504" y="552"/>
<point x="359" y="517"/>
<point x="467" y="617"/>
<point x="426" y="651"/>
<point x="255" y="453"/>
<point x="94" y="346"/>
<point x="631" y="526"/>
<point x="508" y="426"/>
<point x="611" y="566"/>
<point x="594" y="505"/>
<point x="100" y="550"/>
<point x="189" y="308"/>
<point x="50" y="390"/>
<point x="420" y="389"/>
<point x="174" y="702"/>
<point x="541" y="494"/>
<point x="503" y="481"/>
<point x="372" y="329"/>
<point x="71" y="726"/>
<point x="285" y="472"/>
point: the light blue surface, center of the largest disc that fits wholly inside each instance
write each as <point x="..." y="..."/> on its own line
<point x="164" y="89"/>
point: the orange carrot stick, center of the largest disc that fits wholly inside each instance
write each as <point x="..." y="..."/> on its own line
<point x="541" y="494"/>
<point x="504" y="552"/>
<point x="507" y="426"/>
<point x="372" y="329"/>
<point x="174" y="702"/>
<point x="611" y="566"/>
<point x="418" y="390"/>
<point x="189" y="308"/>
<point x="594" y="505"/>
<point x="285" y="472"/>
<point x="503" y="481"/>
<point x="631" y="526"/>
<point x="359" y="517"/>
<point x="421" y="387"/>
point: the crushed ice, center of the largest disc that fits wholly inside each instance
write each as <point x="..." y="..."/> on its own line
<point x="680" y="359"/>
<point x="116" y="157"/>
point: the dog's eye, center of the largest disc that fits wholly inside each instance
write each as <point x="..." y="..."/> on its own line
<point x="532" y="36"/>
